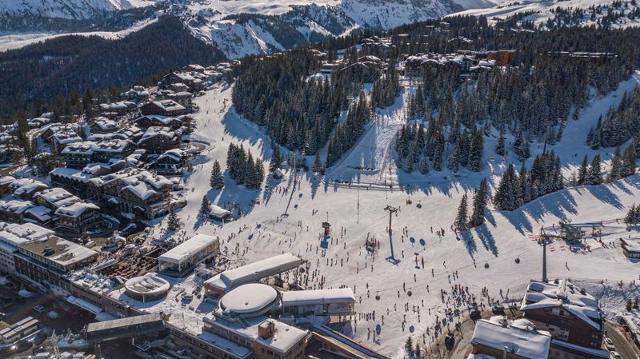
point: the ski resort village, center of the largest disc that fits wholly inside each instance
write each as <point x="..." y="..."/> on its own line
<point x="463" y="187"/>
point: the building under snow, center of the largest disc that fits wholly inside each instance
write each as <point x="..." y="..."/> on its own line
<point x="519" y="339"/>
<point x="182" y="258"/>
<point x="251" y="273"/>
<point x="570" y="314"/>
<point x="340" y="301"/>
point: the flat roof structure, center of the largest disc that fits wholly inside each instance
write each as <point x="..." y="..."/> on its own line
<point x="147" y="287"/>
<point x="188" y="248"/>
<point x="59" y="251"/>
<point x="253" y="272"/>
<point x="316" y="297"/>
<point x="249" y="299"/>
<point x="125" y="327"/>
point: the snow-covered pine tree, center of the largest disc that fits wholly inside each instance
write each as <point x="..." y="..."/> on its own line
<point x="479" y="204"/>
<point x="205" y="206"/>
<point x="475" y="152"/>
<point x="583" y="172"/>
<point x="595" y="171"/>
<point x="216" y="181"/>
<point x="276" y="157"/>
<point x="616" y="166"/>
<point x="461" y="218"/>
<point x="505" y="197"/>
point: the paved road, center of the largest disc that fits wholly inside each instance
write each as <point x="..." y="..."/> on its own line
<point x="627" y="349"/>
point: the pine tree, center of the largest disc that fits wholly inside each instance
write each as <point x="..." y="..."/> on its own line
<point x="629" y="161"/>
<point x="205" y="206"/>
<point x="595" y="171"/>
<point x="479" y="204"/>
<point x="633" y="215"/>
<point x="317" y="164"/>
<point x="583" y="172"/>
<point x="216" y="181"/>
<point x="500" y="145"/>
<point x="461" y="218"/>
<point x="276" y="157"/>
<point x="475" y="152"/>
<point x="616" y="166"/>
<point x="505" y="197"/>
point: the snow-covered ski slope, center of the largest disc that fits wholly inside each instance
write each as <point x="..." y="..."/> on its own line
<point x="357" y="212"/>
<point x="541" y="11"/>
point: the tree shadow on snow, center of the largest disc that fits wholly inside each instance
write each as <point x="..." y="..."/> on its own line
<point x="239" y="127"/>
<point x="604" y="194"/>
<point x="487" y="239"/>
<point x="236" y="197"/>
<point x="469" y="243"/>
<point x="558" y="204"/>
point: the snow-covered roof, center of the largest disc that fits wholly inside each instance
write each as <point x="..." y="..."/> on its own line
<point x="15" y="206"/>
<point x="6" y="180"/>
<point x="248" y="298"/>
<point x="188" y="248"/>
<point x="566" y="296"/>
<point x="42" y="213"/>
<point x="218" y="211"/>
<point x="30" y="187"/>
<point x="59" y="250"/>
<point x="593" y="352"/>
<point x="255" y="271"/>
<point x="283" y="339"/>
<point x="29" y="231"/>
<point x="148" y="284"/>
<point x="317" y="297"/>
<point x="70" y="173"/>
<point x="523" y="343"/>
<point x="76" y="209"/>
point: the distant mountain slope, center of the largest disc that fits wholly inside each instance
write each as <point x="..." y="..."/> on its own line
<point x="69" y="9"/>
<point x="237" y="27"/>
<point x="613" y="14"/>
<point x="73" y="64"/>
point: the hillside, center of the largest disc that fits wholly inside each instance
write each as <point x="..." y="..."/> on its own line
<point x="73" y="64"/>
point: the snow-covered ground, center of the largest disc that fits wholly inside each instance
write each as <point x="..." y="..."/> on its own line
<point x="356" y="213"/>
<point x="18" y="40"/>
<point x="543" y="11"/>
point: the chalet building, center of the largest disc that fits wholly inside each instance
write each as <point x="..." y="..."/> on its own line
<point x="18" y="211"/>
<point x="106" y="151"/>
<point x="77" y="218"/>
<point x="73" y="180"/>
<point x="136" y="94"/>
<point x="133" y="191"/>
<point x="164" y="108"/>
<point x="102" y="124"/>
<point x="631" y="247"/>
<point x="518" y="339"/>
<point x="171" y="162"/>
<point x="116" y="109"/>
<point x="54" y="198"/>
<point x="192" y="79"/>
<point x="569" y="314"/>
<point x="5" y="184"/>
<point x="158" y="120"/>
<point x="159" y="139"/>
<point x="184" y="98"/>
<point x="26" y="188"/>
<point x="79" y="154"/>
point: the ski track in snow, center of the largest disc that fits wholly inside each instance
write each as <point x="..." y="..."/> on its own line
<point x="504" y="238"/>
